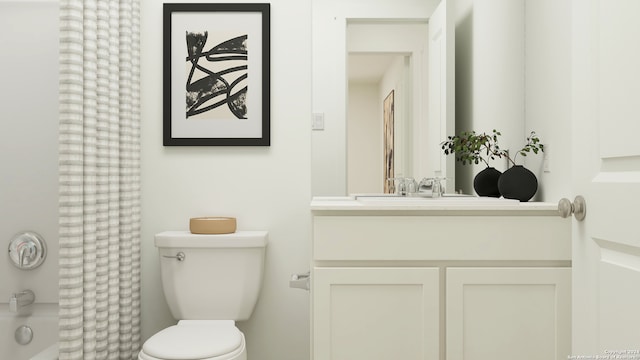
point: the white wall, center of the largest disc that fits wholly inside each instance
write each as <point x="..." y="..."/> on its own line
<point x="406" y="76"/>
<point x="365" y="128"/>
<point x="548" y="93"/>
<point x="490" y="75"/>
<point x="498" y="68"/>
<point x="263" y="187"/>
<point x="464" y="85"/>
<point x="398" y="78"/>
<point x="513" y="75"/>
<point x="29" y="146"/>
<point x="364" y="145"/>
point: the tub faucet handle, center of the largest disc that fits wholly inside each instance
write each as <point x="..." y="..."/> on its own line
<point x="26" y="254"/>
<point x="27" y="250"/>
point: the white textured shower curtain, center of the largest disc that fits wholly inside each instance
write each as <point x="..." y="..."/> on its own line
<point x="99" y="179"/>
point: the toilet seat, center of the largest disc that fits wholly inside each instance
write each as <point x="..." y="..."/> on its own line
<point x="195" y="339"/>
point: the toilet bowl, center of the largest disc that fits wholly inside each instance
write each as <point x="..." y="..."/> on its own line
<point x="210" y="281"/>
<point x="196" y="340"/>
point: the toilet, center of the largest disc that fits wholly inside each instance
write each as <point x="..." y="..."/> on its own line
<point x="209" y="282"/>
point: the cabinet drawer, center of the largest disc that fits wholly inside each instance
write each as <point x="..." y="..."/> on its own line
<point x="511" y="238"/>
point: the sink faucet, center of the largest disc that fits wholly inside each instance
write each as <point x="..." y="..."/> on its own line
<point x="426" y="184"/>
<point x="21" y="299"/>
<point x="432" y="185"/>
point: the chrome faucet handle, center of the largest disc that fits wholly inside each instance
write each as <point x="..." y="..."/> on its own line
<point x="439" y="179"/>
<point x="26" y="253"/>
<point x="402" y="187"/>
<point x="405" y="185"/>
<point x="180" y="256"/>
<point x="436" y="190"/>
<point x="442" y="184"/>
<point x="412" y="185"/>
<point x="27" y="250"/>
<point x="398" y="185"/>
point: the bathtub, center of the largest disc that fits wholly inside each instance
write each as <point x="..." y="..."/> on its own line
<point x="50" y="353"/>
<point x="43" y="322"/>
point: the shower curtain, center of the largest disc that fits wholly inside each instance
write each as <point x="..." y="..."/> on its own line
<point x="99" y="179"/>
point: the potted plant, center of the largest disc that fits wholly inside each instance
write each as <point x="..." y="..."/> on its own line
<point x="472" y="148"/>
<point x="515" y="183"/>
<point x="519" y="182"/>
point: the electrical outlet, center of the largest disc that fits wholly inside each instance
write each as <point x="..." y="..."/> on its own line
<point x="545" y="159"/>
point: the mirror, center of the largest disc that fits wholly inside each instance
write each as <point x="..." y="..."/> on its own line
<point x="505" y="79"/>
<point x="376" y="113"/>
<point x="345" y="32"/>
<point x="384" y="64"/>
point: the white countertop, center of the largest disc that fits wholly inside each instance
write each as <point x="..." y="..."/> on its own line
<point x="439" y="206"/>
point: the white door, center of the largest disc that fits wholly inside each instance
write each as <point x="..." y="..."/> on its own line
<point x="441" y="95"/>
<point x="606" y="160"/>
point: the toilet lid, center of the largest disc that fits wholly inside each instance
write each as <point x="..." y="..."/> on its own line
<point x="194" y="340"/>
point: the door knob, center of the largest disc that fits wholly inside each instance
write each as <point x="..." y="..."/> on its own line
<point x="578" y="208"/>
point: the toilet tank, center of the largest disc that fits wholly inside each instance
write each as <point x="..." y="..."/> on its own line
<point x="219" y="277"/>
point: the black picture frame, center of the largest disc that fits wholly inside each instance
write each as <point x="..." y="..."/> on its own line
<point x="223" y="88"/>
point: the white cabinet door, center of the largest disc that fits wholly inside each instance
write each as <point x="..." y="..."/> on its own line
<point x="606" y="161"/>
<point x="375" y="313"/>
<point x="508" y="313"/>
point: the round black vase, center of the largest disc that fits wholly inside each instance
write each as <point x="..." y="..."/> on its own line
<point x="518" y="183"/>
<point x="486" y="182"/>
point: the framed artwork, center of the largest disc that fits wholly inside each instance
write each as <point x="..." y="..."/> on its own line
<point x="388" y="119"/>
<point x="216" y="86"/>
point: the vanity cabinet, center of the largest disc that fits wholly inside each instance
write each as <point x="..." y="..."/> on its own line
<point x="440" y="283"/>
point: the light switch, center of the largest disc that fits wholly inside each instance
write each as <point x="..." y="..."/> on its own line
<point x="317" y="122"/>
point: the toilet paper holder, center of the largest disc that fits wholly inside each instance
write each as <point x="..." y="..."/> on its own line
<point x="300" y="281"/>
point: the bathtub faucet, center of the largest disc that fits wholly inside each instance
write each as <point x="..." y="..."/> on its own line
<point x="21" y="299"/>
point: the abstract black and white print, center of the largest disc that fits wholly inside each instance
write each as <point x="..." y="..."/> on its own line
<point x="217" y="75"/>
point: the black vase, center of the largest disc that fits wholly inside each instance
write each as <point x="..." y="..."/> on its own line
<point x="486" y="182"/>
<point x="518" y="183"/>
